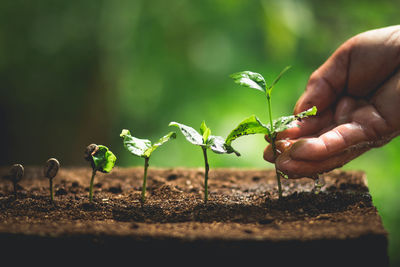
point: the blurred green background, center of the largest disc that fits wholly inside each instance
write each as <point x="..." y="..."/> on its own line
<point x="77" y="72"/>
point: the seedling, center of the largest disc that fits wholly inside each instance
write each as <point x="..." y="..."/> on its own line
<point x="252" y="125"/>
<point x="50" y="171"/>
<point x="15" y="175"/>
<point x="206" y="141"/>
<point x="143" y="148"/>
<point x="101" y="159"/>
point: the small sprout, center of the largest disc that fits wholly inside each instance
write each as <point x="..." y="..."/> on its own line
<point x="205" y="140"/>
<point x="50" y="171"/>
<point x="15" y="175"/>
<point x="253" y="125"/>
<point x="143" y="148"/>
<point x="101" y="159"/>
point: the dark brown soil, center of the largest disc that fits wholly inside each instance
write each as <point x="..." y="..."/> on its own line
<point x="243" y="221"/>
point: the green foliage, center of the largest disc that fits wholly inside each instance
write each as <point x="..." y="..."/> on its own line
<point x="143" y="147"/>
<point x="250" y="79"/>
<point x="205" y="131"/>
<point x="215" y="143"/>
<point x="206" y="141"/>
<point x="160" y="142"/>
<point x="250" y="125"/>
<point x="283" y="123"/>
<point x="256" y="80"/>
<point x="253" y="125"/>
<point x="103" y="159"/>
<point x="189" y="133"/>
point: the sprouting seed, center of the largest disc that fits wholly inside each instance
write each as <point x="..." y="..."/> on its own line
<point x="15" y="175"/>
<point x="101" y="159"/>
<point x="50" y="171"/>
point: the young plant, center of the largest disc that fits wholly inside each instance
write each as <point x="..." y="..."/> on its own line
<point x="15" y="175"/>
<point x="205" y="140"/>
<point x="252" y="125"/>
<point x="143" y="148"/>
<point x="50" y="171"/>
<point x="101" y="159"/>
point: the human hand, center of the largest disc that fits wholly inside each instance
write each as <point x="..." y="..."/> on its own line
<point x="357" y="94"/>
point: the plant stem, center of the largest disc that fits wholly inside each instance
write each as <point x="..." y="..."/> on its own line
<point x="51" y="190"/>
<point x="207" y="168"/>
<point x="91" y="186"/>
<point x="270" y="114"/>
<point x="272" y="139"/>
<point x="278" y="175"/>
<point x="146" y="165"/>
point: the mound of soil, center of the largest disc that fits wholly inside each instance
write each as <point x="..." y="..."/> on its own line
<point x="243" y="222"/>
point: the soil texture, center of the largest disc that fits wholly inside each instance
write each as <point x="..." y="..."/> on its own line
<point x="243" y="221"/>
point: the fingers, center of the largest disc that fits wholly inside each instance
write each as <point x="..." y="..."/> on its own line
<point x="374" y="57"/>
<point x="309" y="126"/>
<point x="281" y="146"/>
<point x="386" y="101"/>
<point x="358" y="66"/>
<point x="303" y="168"/>
<point x="327" y="82"/>
<point x="329" y="143"/>
<point x="344" y="109"/>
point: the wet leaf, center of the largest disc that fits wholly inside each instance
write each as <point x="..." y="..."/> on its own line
<point x="250" y="125"/>
<point x="283" y="123"/>
<point x="218" y="145"/>
<point x="103" y="159"/>
<point x="250" y="79"/>
<point x="135" y="145"/>
<point x="215" y="143"/>
<point x="163" y="140"/>
<point x="189" y="133"/>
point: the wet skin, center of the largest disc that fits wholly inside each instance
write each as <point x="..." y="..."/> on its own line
<point x="357" y="94"/>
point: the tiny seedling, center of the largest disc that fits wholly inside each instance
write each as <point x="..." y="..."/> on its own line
<point x="15" y="176"/>
<point x="206" y="141"/>
<point x="50" y="171"/>
<point x="252" y="125"/>
<point x="143" y="148"/>
<point x="101" y="159"/>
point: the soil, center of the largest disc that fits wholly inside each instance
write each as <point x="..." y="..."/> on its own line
<point x="243" y="222"/>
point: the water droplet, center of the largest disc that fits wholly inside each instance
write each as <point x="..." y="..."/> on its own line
<point x="319" y="182"/>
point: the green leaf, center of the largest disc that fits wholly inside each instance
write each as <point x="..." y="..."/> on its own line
<point x="135" y="145"/>
<point x="205" y="131"/>
<point x="163" y="140"/>
<point x="190" y="134"/>
<point x="103" y="159"/>
<point x="250" y="125"/>
<point x="283" y="123"/>
<point x="215" y="143"/>
<point x="218" y="145"/>
<point x="250" y="79"/>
